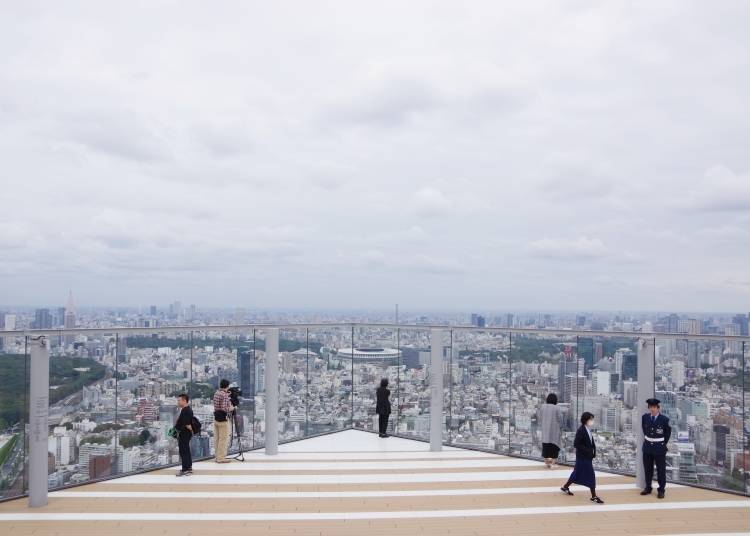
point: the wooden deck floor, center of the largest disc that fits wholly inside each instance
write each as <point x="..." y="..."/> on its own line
<point x="354" y="483"/>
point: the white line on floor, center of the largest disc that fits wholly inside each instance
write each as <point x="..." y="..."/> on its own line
<point x="371" y="478"/>
<point x="365" y="466"/>
<point x="321" y="494"/>
<point x="332" y="516"/>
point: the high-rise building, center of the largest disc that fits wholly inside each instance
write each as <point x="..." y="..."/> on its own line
<point x="42" y="319"/>
<point x="678" y="373"/>
<point x="152" y="310"/>
<point x="568" y="366"/>
<point x="478" y="320"/>
<point x="246" y="368"/>
<point x="509" y="320"/>
<point x="586" y="352"/>
<point x="721" y="431"/>
<point x="694" y="326"/>
<point x="630" y="393"/>
<point x="9" y="324"/>
<point x="629" y="369"/>
<point x="601" y="382"/>
<point x="580" y="321"/>
<point x="741" y="321"/>
<point x="598" y="351"/>
<point x="70" y="319"/>
<point x="673" y="323"/>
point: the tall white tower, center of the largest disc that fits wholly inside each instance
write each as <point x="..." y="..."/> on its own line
<point x="70" y="318"/>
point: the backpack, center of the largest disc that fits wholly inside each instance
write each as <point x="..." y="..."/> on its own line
<point x="196" y="425"/>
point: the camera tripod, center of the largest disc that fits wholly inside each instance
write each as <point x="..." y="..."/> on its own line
<point x="235" y="433"/>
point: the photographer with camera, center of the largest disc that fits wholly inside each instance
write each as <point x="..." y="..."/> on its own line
<point x="223" y="411"/>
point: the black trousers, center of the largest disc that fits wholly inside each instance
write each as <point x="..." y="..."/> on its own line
<point x="183" y="441"/>
<point x="383" y="423"/>
<point x="649" y="459"/>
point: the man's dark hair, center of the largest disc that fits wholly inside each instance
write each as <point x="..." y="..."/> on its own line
<point x="586" y="416"/>
<point x="223" y="384"/>
<point x="384" y="382"/>
<point x="552" y="398"/>
<point x="184" y="396"/>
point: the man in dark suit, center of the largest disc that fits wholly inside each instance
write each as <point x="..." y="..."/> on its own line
<point x="656" y="434"/>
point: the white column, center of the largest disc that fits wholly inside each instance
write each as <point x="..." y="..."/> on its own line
<point x="646" y="356"/>
<point x="436" y="390"/>
<point x="38" y="420"/>
<point x="272" y="391"/>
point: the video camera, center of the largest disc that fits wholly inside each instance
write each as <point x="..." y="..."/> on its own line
<point x="234" y="395"/>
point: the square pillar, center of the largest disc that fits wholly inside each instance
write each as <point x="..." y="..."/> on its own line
<point x="436" y="390"/>
<point x="38" y="420"/>
<point x="646" y="357"/>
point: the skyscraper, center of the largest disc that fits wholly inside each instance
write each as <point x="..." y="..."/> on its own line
<point x="42" y="319"/>
<point x="246" y="368"/>
<point x="630" y="366"/>
<point x="741" y="321"/>
<point x="70" y="318"/>
<point x="721" y="431"/>
<point x="586" y="352"/>
<point x="568" y="367"/>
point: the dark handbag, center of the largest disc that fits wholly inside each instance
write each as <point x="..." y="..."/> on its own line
<point x="220" y="415"/>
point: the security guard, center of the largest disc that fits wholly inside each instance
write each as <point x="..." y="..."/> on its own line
<point x="656" y="433"/>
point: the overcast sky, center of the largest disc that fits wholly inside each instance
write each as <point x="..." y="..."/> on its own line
<point x="544" y="155"/>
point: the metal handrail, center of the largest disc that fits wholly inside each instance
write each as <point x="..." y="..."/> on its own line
<point x="493" y="329"/>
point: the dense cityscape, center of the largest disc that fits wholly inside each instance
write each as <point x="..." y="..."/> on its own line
<point x="112" y="395"/>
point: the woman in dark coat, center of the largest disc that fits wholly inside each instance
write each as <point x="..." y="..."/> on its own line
<point x="383" y="407"/>
<point x="583" y="472"/>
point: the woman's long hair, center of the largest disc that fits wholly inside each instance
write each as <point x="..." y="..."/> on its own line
<point x="552" y="398"/>
<point x="384" y="383"/>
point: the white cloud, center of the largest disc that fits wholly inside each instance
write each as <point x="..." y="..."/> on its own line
<point x="431" y="202"/>
<point x="568" y="249"/>
<point x="721" y="190"/>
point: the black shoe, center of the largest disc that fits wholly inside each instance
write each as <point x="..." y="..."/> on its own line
<point x="646" y="491"/>
<point x="596" y="500"/>
<point x="660" y="494"/>
<point x="566" y="491"/>
<point x="386" y="435"/>
<point x="381" y="435"/>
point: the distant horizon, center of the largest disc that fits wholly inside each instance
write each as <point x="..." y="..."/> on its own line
<point x="478" y="310"/>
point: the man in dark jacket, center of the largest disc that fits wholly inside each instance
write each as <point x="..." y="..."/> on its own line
<point x="656" y="434"/>
<point x="184" y="427"/>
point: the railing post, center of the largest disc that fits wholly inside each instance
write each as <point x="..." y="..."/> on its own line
<point x="646" y="356"/>
<point x="436" y="390"/>
<point x="38" y="420"/>
<point x="272" y="391"/>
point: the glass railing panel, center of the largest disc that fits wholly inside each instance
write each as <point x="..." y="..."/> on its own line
<point x="14" y="395"/>
<point x="223" y="355"/>
<point x="746" y="413"/>
<point x="376" y="356"/>
<point x="329" y="378"/>
<point x="542" y="365"/>
<point x="700" y="385"/>
<point x="478" y="385"/>
<point x="413" y="417"/>
<point x="610" y="368"/>
<point x="293" y="369"/>
<point x="151" y="371"/>
<point x="84" y="442"/>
